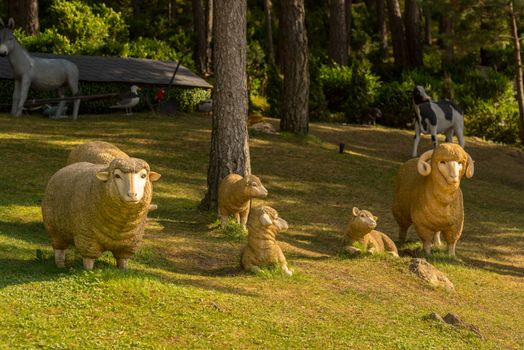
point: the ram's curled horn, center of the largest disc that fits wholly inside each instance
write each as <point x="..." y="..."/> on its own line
<point x="423" y="166"/>
<point x="265" y="219"/>
<point x="470" y="167"/>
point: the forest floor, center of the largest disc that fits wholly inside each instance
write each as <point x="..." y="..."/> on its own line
<point x="184" y="287"/>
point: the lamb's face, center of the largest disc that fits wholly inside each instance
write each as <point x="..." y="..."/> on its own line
<point x="451" y="170"/>
<point x="269" y="216"/>
<point x="254" y="187"/>
<point x="363" y="221"/>
<point x="129" y="177"/>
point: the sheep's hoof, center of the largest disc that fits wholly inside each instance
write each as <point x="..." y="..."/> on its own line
<point x="88" y="263"/>
<point x="288" y="271"/>
<point x="352" y="250"/>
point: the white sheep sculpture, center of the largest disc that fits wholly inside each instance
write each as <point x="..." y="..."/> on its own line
<point x="98" y="208"/>
<point x="428" y="195"/>
<point x="234" y="195"/>
<point x="262" y="248"/>
<point x="361" y="229"/>
<point x="96" y="152"/>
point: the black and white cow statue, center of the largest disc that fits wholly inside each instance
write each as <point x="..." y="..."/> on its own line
<point x="436" y="117"/>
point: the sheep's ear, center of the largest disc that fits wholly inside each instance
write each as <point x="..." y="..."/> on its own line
<point x="375" y="218"/>
<point x="102" y="176"/>
<point x="423" y="166"/>
<point x="154" y="176"/>
<point x="470" y="167"/>
<point x="356" y="211"/>
<point x="11" y="23"/>
<point x="265" y="220"/>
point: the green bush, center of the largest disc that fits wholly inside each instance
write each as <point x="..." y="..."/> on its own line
<point x="336" y="84"/>
<point x="317" y="100"/>
<point x="274" y="91"/>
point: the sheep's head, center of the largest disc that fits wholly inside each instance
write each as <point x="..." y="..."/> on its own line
<point x="254" y="187"/>
<point x="268" y="218"/>
<point x="420" y="95"/>
<point x="363" y="220"/>
<point x="130" y="177"/>
<point x="451" y="161"/>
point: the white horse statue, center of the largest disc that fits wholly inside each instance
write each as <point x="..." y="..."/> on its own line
<point x="38" y="73"/>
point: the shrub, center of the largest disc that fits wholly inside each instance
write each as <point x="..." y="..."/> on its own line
<point x="274" y="91"/>
<point x="336" y="82"/>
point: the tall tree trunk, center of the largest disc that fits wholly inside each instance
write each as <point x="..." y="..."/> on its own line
<point x="397" y="33"/>
<point x="518" y="69"/>
<point x="381" y="24"/>
<point x="25" y="14"/>
<point x="171" y="8"/>
<point x="446" y="33"/>
<point x="136" y="8"/>
<point x="209" y="37"/>
<point x="229" y="139"/>
<point x="413" y="44"/>
<point x="269" y="31"/>
<point x="349" y="24"/>
<point x="199" y="26"/>
<point x="337" y="46"/>
<point x="427" y="26"/>
<point x="295" y="95"/>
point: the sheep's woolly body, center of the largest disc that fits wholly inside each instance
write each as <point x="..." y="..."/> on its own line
<point x="359" y="230"/>
<point x="234" y="195"/>
<point x="80" y="209"/>
<point x="430" y="202"/>
<point x="96" y="152"/>
<point x="262" y="248"/>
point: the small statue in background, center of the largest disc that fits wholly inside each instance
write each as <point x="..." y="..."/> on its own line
<point x="37" y="73"/>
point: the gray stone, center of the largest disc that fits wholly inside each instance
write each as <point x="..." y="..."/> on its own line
<point x="430" y="274"/>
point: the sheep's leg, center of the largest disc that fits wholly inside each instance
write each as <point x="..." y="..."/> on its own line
<point x="224" y="217"/>
<point x="243" y="217"/>
<point x="88" y="263"/>
<point x="283" y="262"/>
<point x="286" y="270"/>
<point x="416" y="139"/>
<point x="60" y="257"/>
<point x="402" y="233"/>
<point x="352" y="250"/>
<point x="122" y="263"/>
<point x="436" y="239"/>
<point x="427" y="246"/>
<point x="237" y="218"/>
<point x="451" y="248"/>
<point x="253" y="269"/>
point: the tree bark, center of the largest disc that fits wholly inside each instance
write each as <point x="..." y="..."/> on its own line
<point x="229" y="139"/>
<point x="337" y="46"/>
<point x="199" y="26"/>
<point x="269" y="31"/>
<point x="295" y="95"/>
<point x="413" y="35"/>
<point x="25" y="14"/>
<point x="427" y="26"/>
<point x="397" y="33"/>
<point x="518" y="69"/>
<point x="381" y="24"/>
<point x="349" y="24"/>
<point x="209" y="37"/>
<point x="446" y="32"/>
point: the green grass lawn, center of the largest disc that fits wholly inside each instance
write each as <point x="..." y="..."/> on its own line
<point x="184" y="288"/>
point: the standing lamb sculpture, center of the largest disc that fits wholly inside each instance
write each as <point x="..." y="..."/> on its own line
<point x="98" y="208"/>
<point x="428" y="195"/>
<point x="38" y="73"/>
<point x="235" y="194"/>
<point x="262" y="248"/>
<point x="439" y="117"/>
<point x="361" y="229"/>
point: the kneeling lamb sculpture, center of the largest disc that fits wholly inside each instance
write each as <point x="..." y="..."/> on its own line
<point x="361" y="229"/>
<point x="262" y="248"/>
<point x="428" y="195"/>
<point x="98" y="208"/>
<point x="234" y="195"/>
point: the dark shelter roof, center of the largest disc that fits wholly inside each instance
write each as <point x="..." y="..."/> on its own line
<point x="107" y="69"/>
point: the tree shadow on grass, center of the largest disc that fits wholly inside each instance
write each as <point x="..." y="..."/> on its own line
<point x="501" y="269"/>
<point x="31" y="232"/>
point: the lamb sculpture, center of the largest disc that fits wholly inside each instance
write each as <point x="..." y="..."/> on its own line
<point x="361" y="229"/>
<point x="98" y="208"/>
<point x="428" y="195"/>
<point x="436" y="117"/>
<point x="262" y="248"/>
<point x="235" y="194"/>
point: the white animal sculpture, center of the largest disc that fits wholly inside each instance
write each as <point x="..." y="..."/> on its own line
<point x="37" y="73"/>
<point x="128" y="100"/>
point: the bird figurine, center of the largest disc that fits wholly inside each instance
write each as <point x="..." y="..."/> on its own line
<point x="128" y="100"/>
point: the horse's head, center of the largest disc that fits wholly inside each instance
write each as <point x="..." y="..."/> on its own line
<point x="7" y="39"/>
